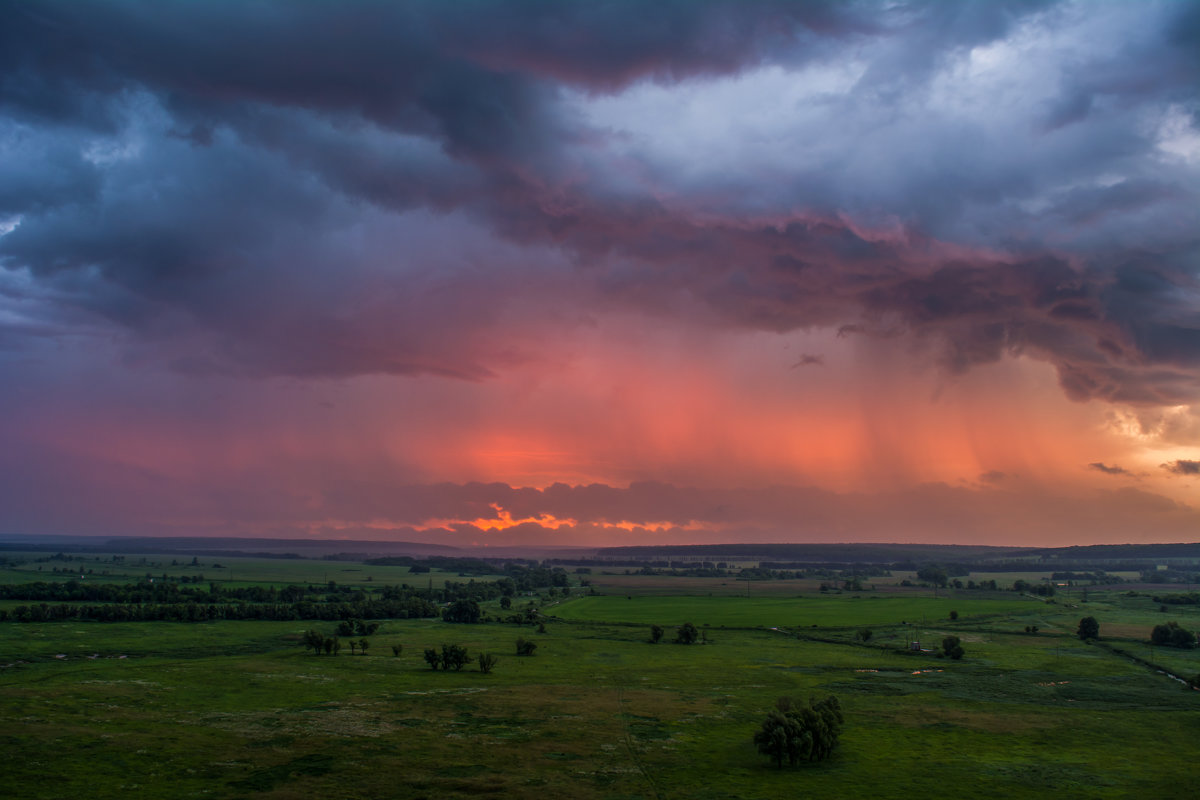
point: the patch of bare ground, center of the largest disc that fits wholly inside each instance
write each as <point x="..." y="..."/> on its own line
<point x="1119" y="631"/>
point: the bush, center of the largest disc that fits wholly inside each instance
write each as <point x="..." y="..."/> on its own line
<point x="687" y="634"/>
<point x="432" y="658"/>
<point x="454" y="657"/>
<point x="525" y="647"/>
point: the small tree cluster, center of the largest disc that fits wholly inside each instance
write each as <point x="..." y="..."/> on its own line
<point x="319" y="643"/>
<point x="356" y="627"/>
<point x="525" y="647"/>
<point x="933" y="574"/>
<point x="466" y="611"/>
<point x="952" y="647"/>
<point x="453" y="657"/>
<point x="796" y="733"/>
<point x="1172" y="634"/>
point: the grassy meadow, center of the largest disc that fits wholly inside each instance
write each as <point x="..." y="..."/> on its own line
<point x="240" y="709"/>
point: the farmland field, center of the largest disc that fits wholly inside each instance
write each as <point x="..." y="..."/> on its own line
<point x="240" y="708"/>
<point x="836" y="611"/>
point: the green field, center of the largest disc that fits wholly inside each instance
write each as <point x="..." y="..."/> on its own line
<point x="236" y="570"/>
<point x="239" y="709"/>
<point x="837" y="611"/>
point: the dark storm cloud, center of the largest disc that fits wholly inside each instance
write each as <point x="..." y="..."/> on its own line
<point x="1107" y="469"/>
<point x="202" y="175"/>
<point x="1183" y="467"/>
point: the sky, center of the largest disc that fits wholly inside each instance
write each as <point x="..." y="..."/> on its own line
<point x="605" y="273"/>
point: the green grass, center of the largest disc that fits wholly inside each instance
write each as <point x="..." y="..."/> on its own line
<point x="237" y="709"/>
<point x="836" y="611"/>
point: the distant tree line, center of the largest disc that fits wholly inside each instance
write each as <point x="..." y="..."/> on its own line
<point x="169" y="601"/>
<point x="1189" y="599"/>
<point x="411" y="607"/>
<point x="518" y="577"/>
<point x="75" y="591"/>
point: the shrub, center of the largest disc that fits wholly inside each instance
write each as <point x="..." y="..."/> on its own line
<point x="952" y="647"/>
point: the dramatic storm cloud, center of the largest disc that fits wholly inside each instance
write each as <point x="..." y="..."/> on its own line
<point x="533" y="269"/>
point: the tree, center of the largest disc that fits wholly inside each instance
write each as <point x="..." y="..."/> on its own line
<point x="932" y="574"/>
<point x="397" y="649"/>
<point x="952" y="647"/>
<point x="314" y="641"/>
<point x="432" y="658"/>
<point x="486" y="662"/>
<point x="1089" y="628"/>
<point x="782" y="737"/>
<point x="525" y="647"/>
<point x="1172" y="634"/>
<point x="506" y="602"/>
<point x="953" y="615"/>
<point x="353" y="644"/>
<point x="363" y="644"/>
<point x="465" y="611"/>
<point x="454" y="657"/>
<point x="656" y="633"/>
<point x="864" y="635"/>
<point x="687" y="633"/>
<point x="796" y="733"/>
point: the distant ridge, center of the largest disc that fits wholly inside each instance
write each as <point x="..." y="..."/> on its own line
<point x="1114" y="551"/>
<point x="228" y="545"/>
<point x="890" y="553"/>
<point x="816" y="553"/>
